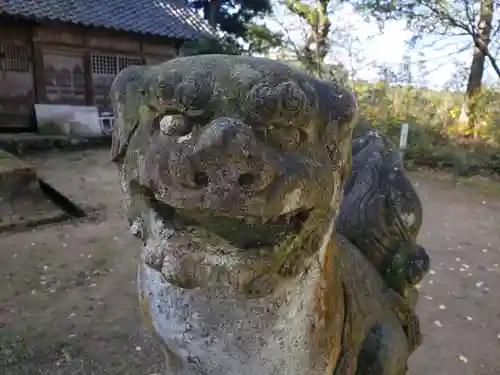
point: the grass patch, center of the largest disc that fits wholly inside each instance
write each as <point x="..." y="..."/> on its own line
<point x="488" y="186"/>
<point x="27" y="351"/>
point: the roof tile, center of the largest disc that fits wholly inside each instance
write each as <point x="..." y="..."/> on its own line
<point x="170" y="18"/>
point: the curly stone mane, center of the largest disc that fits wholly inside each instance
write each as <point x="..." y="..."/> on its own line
<point x="381" y="212"/>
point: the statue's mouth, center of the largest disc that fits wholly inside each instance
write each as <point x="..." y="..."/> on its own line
<point x="244" y="232"/>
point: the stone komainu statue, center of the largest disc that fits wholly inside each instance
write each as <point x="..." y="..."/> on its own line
<point x="381" y="213"/>
<point x="232" y="170"/>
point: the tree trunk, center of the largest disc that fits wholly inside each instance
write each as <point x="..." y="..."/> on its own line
<point x="210" y="10"/>
<point x="481" y="38"/>
<point x="316" y="44"/>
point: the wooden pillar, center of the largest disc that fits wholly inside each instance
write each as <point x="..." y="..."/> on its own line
<point x="141" y="47"/>
<point x="38" y="73"/>
<point x="87" y="73"/>
<point x="87" y="69"/>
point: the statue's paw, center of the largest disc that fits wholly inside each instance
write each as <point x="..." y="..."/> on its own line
<point x="384" y="351"/>
<point x="153" y="257"/>
<point x="347" y="363"/>
<point x="418" y="265"/>
<point x="137" y="228"/>
<point x="413" y="333"/>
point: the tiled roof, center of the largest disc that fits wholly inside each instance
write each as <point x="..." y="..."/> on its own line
<point x="170" y="18"/>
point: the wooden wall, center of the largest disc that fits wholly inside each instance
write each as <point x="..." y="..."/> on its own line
<point x="17" y="87"/>
<point x="66" y="64"/>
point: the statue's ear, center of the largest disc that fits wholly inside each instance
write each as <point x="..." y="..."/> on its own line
<point x="125" y="95"/>
<point x="117" y="151"/>
<point x="120" y="139"/>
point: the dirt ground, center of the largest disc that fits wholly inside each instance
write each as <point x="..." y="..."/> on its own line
<point x="68" y="303"/>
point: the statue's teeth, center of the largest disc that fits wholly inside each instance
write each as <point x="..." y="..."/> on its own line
<point x="288" y="218"/>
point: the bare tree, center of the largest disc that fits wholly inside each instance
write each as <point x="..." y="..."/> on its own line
<point x="314" y="48"/>
<point x="320" y="39"/>
<point x="473" y="19"/>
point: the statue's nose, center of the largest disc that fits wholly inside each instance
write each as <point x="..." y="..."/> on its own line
<point x="225" y="133"/>
<point x="228" y="155"/>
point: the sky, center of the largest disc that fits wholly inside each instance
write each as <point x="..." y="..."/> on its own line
<point x="385" y="47"/>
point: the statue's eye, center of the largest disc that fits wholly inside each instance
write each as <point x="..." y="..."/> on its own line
<point x="176" y="125"/>
<point x="180" y="125"/>
<point x="281" y="137"/>
<point x="287" y="138"/>
<point x="292" y="137"/>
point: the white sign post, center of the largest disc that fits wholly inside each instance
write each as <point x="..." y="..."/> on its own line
<point x="403" y="139"/>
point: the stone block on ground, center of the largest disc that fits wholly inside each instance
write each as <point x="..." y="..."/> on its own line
<point x="25" y="200"/>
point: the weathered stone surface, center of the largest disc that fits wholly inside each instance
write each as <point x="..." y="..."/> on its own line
<point x="381" y="212"/>
<point x="24" y="199"/>
<point x="232" y="171"/>
<point x="20" y="197"/>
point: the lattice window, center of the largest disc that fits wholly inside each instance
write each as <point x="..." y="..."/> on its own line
<point x="125" y="62"/>
<point x="14" y="58"/>
<point x="112" y="65"/>
<point x="104" y="65"/>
